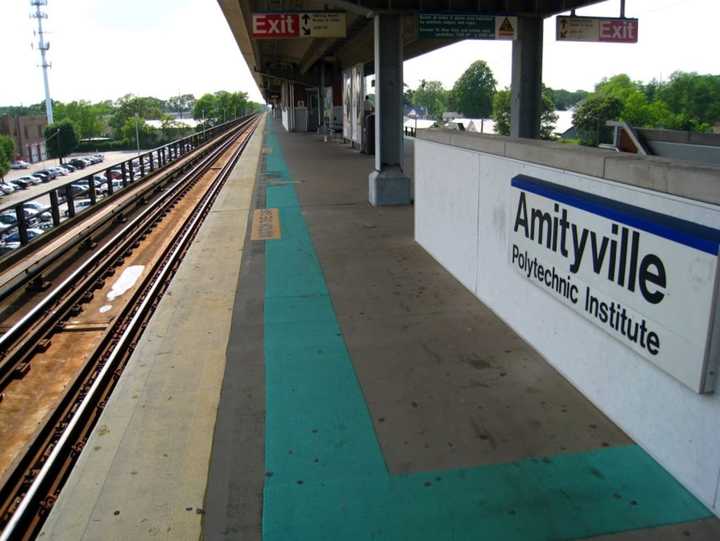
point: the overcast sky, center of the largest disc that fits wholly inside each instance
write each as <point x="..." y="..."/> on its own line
<point x="103" y="49"/>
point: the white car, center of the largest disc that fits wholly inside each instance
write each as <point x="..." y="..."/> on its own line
<point x="79" y="204"/>
<point x="59" y="171"/>
<point x="19" y="164"/>
<point x="6" y="188"/>
<point x="36" y="206"/>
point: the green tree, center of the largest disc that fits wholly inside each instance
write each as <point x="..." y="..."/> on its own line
<point x="61" y="138"/>
<point x="501" y="111"/>
<point x="182" y="103"/>
<point x="564" y="99"/>
<point x="502" y="104"/>
<point x="431" y="96"/>
<point x="205" y="107"/>
<point x="474" y="91"/>
<point x="694" y="98"/>
<point x="89" y="118"/>
<point x="221" y="106"/>
<point x="128" y="106"/>
<point x="137" y="127"/>
<point x="7" y="154"/>
<point x="591" y="116"/>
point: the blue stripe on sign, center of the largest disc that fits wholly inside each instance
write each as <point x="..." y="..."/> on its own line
<point x="700" y="237"/>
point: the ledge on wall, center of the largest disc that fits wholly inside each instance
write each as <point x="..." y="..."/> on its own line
<point x="681" y="178"/>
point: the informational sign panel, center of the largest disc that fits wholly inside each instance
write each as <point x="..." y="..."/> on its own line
<point x="323" y="24"/>
<point x="328" y="108"/>
<point x="357" y="102"/>
<point x="647" y="279"/>
<point x="347" y="104"/>
<point x="465" y="26"/>
<point x="602" y="29"/>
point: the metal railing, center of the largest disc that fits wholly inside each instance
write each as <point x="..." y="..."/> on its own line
<point x="43" y="211"/>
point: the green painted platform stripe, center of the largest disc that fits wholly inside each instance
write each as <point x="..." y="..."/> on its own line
<point x="326" y="477"/>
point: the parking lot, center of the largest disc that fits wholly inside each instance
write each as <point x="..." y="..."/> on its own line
<point x="37" y="201"/>
<point x="111" y="158"/>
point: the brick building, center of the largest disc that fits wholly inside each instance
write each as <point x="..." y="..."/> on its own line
<point x="28" y="134"/>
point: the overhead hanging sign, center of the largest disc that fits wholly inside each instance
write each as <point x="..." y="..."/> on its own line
<point x="465" y="26"/>
<point x="321" y="24"/>
<point x="647" y="279"/>
<point x="600" y="29"/>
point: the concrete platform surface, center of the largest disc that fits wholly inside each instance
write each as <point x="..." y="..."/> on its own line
<point x="361" y="393"/>
<point x="368" y="395"/>
<point x="143" y="473"/>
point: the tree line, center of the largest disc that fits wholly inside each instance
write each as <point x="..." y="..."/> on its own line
<point x="688" y="101"/>
<point x="119" y="120"/>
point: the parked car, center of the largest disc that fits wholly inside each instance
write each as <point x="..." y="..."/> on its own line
<point x="21" y="182"/>
<point x="6" y="188"/>
<point x="100" y="185"/>
<point x="37" y="178"/>
<point x="12" y="241"/>
<point x="100" y="157"/>
<point x="79" y="204"/>
<point x="115" y="172"/>
<point x="78" y="188"/>
<point x="51" y="174"/>
<point x="19" y="164"/>
<point x="9" y="217"/>
<point x="36" y="206"/>
<point x="59" y="171"/>
<point x="77" y="163"/>
<point x="69" y="168"/>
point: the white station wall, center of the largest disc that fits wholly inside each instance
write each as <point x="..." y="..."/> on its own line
<point x="461" y="207"/>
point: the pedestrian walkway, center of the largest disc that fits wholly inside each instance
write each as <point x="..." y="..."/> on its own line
<point x="368" y="395"/>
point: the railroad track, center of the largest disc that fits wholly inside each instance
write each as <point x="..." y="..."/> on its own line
<point x="82" y="333"/>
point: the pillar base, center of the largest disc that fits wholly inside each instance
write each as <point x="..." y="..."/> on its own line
<point x="389" y="187"/>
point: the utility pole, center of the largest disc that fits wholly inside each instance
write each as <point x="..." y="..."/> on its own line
<point x="43" y="46"/>
<point x="137" y="132"/>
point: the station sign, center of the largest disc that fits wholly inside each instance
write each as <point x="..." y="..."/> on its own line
<point x="290" y="25"/>
<point x="599" y="29"/>
<point x="465" y="26"/>
<point x="648" y="279"/>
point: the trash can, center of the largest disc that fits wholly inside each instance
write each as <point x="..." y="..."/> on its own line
<point x="368" y="146"/>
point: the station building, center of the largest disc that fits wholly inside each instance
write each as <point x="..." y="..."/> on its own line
<point x="28" y="133"/>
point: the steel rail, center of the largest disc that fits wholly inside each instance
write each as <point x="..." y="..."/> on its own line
<point x="15" y="347"/>
<point x="159" y="175"/>
<point x="149" y="298"/>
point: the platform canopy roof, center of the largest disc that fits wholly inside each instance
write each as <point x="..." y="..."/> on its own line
<point x="271" y="61"/>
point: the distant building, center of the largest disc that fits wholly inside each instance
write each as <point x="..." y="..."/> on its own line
<point x="564" y="127"/>
<point x="475" y="125"/>
<point x="28" y="132"/>
<point x="176" y="123"/>
<point x="451" y="115"/>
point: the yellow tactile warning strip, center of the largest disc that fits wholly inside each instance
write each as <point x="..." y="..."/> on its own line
<point x="265" y="224"/>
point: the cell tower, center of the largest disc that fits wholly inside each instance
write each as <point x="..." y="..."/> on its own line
<point x="43" y="45"/>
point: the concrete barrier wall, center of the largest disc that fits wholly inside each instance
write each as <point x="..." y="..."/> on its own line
<point x="462" y="188"/>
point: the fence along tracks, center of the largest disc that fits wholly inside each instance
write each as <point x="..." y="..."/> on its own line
<point x="33" y="480"/>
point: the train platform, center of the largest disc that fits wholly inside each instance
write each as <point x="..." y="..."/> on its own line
<point x="335" y="382"/>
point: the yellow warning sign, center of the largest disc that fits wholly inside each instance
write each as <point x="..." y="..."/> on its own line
<point x="265" y="225"/>
<point x="505" y="27"/>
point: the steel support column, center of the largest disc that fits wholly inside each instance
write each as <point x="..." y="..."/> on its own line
<point x="388" y="185"/>
<point x="526" y="85"/>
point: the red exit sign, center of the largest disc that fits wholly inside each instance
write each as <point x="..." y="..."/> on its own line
<point x="619" y="30"/>
<point x="275" y="25"/>
<point x="603" y="29"/>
